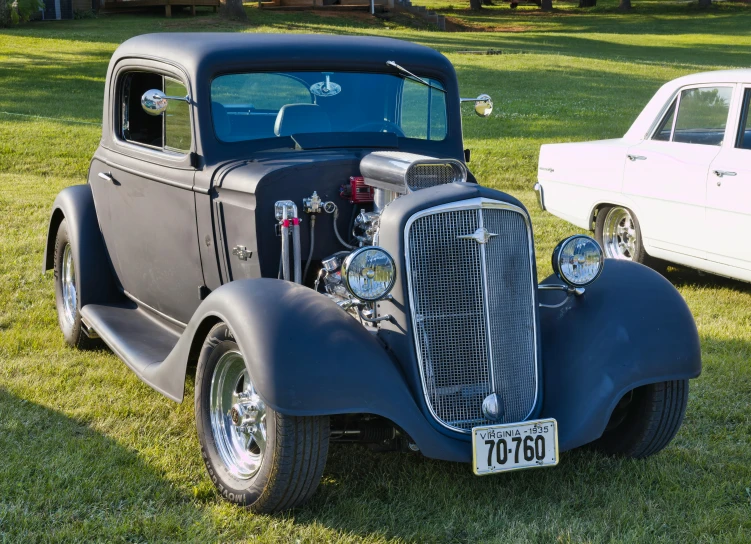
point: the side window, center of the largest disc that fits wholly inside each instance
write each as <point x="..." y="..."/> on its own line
<point x="168" y="131"/>
<point x="665" y="129"/>
<point x="703" y="115"/>
<point x="423" y="111"/>
<point x="744" y="132"/>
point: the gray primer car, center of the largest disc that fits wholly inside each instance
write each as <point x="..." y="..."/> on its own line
<point x="293" y="217"/>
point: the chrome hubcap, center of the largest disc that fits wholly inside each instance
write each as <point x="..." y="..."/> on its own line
<point x="619" y="235"/>
<point x="68" y="283"/>
<point x="238" y="417"/>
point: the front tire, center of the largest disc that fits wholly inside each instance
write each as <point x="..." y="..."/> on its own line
<point x="67" y="291"/>
<point x="255" y="457"/>
<point x="645" y="420"/>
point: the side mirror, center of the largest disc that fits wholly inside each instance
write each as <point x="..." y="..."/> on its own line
<point x="154" y="102"/>
<point x="483" y="104"/>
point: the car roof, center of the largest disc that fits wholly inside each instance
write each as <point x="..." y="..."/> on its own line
<point x="741" y="75"/>
<point x="202" y="54"/>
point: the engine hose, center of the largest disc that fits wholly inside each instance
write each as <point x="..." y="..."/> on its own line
<point x="312" y="244"/>
<point x="285" y="249"/>
<point x="296" y="249"/>
<point x="330" y="207"/>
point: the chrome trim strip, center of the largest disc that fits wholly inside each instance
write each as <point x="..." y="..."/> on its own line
<point x="153" y="310"/>
<point x="484" y="277"/>
<point x="479" y="204"/>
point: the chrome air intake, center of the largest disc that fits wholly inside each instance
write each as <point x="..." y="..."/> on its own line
<point x="394" y="173"/>
<point x="471" y="290"/>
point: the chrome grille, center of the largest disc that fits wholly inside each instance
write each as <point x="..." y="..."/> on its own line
<point x="422" y="176"/>
<point x="473" y="311"/>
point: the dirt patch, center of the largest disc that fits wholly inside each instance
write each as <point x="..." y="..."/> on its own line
<point x="459" y="25"/>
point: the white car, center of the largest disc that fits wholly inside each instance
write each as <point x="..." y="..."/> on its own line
<point x="676" y="187"/>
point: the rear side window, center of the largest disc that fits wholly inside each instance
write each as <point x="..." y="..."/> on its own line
<point x="169" y="131"/>
<point x="703" y="116"/>
<point x="665" y="130"/>
<point x="744" y="132"/>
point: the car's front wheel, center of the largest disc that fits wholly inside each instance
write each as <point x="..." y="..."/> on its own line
<point x="645" y="420"/>
<point x="255" y="456"/>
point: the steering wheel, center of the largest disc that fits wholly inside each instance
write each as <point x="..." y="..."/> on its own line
<point x="380" y="126"/>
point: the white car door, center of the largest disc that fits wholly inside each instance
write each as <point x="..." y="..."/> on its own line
<point x="666" y="175"/>
<point x="729" y="192"/>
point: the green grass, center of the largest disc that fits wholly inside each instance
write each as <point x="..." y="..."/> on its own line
<point x="87" y="452"/>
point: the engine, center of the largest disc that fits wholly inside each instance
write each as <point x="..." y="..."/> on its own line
<point x="357" y="277"/>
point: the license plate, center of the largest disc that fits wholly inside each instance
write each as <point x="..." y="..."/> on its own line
<point x="500" y="448"/>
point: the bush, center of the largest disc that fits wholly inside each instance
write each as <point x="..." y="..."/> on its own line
<point x="18" y="11"/>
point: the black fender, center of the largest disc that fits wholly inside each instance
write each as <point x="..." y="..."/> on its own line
<point x="631" y="327"/>
<point x="96" y="282"/>
<point x="306" y="356"/>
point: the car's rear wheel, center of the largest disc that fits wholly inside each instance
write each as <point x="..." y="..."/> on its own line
<point x="67" y="291"/>
<point x="618" y="231"/>
<point x="645" y="420"/>
<point x="255" y="456"/>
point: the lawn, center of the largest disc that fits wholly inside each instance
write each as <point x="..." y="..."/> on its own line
<point x="89" y="453"/>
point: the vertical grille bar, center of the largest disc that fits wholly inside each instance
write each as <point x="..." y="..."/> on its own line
<point x="473" y="311"/>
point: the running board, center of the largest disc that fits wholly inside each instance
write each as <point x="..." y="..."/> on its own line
<point x="137" y="336"/>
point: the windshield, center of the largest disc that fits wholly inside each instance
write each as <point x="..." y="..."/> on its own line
<point x="255" y="106"/>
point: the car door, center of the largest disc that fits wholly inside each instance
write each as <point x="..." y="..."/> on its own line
<point x="666" y="174"/>
<point x="143" y="189"/>
<point x="729" y="192"/>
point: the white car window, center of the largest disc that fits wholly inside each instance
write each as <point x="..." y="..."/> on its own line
<point x="744" y="133"/>
<point x="665" y="128"/>
<point x="702" y="115"/>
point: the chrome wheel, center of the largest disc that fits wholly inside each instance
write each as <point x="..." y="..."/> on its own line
<point x="68" y="284"/>
<point x="238" y="417"/>
<point x="619" y="237"/>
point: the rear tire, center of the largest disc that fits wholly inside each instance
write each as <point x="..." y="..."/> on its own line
<point x="618" y="232"/>
<point x="645" y="420"/>
<point x="255" y="457"/>
<point x="67" y="291"/>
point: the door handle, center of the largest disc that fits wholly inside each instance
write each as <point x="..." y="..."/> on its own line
<point x="723" y="173"/>
<point x="106" y="176"/>
<point x="633" y="158"/>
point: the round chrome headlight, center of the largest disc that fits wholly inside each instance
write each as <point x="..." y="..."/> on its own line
<point x="369" y="273"/>
<point x="578" y="260"/>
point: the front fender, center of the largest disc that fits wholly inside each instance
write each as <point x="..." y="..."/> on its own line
<point x="630" y="328"/>
<point x="306" y="357"/>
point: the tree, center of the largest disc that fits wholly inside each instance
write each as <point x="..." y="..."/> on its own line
<point x="546" y="5"/>
<point x="705" y="3"/>
<point x="587" y="3"/>
<point x="233" y="9"/>
<point x="625" y="5"/>
<point x="475" y="5"/>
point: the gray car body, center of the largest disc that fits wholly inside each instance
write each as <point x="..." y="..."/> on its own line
<point x="155" y="269"/>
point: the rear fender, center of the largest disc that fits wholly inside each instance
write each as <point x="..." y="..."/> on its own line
<point x="630" y="328"/>
<point x="96" y="282"/>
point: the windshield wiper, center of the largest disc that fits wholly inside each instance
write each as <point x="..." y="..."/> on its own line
<point x="412" y="76"/>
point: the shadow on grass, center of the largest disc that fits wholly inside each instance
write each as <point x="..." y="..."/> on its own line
<point x="78" y="478"/>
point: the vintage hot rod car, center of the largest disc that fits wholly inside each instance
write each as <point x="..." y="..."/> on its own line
<point x="292" y="217"/>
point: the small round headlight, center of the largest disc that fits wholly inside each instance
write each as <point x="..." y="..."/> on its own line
<point x="369" y="273"/>
<point x="578" y="260"/>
